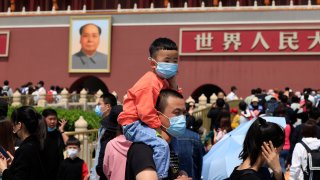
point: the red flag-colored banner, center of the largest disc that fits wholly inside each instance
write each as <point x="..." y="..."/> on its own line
<point x="250" y="41"/>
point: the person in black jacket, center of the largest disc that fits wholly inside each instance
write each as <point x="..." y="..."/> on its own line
<point x="26" y="164"/>
<point x="54" y="143"/>
<point x="73" y="168"/>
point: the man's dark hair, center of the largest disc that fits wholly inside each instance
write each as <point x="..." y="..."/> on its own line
<point x="6" y="82"/>
<point x="309" y="128"/>
<point x="163" y="98"/>
<point x="41" y="83"/>
<point x="82" y="28"/>
<point x="286" y="88"/>
<point x="52" y="88"/>
<point x="161" y="44"/>
<point x="109" y="98"/>
<point x="49" y="112"/>
<point x="220" y="103"/>
<point x="233" y="88"/>
<point x="73" y="141"/>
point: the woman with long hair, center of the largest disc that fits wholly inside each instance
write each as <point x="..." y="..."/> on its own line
<point x="29" y="126"/>
<point x="262" y="145"/>
<point x="6" y="135"/>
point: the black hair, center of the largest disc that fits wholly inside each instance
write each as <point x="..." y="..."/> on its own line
<point x="82" y="28"/>
<point x="109" y="98"/>
<point x="260" y="131"/>
<point x="253" y="91"/>
<point x="233" y="88"/>
<point x="6" y="82"/>
<point x="309" y="128"/>
<point x="242" y="105"/>
<point x="163" y="96"/>
<point x="32" y="120"/>
<point x="286" y="88"/>
<point x="73" y="141"/>
<point x="49" y="112"/>
<point x="284" y="99"/>
<point x="258" y="91"/>
<point x="41" y="83"/>
<point x="220" y="103"/>
<point x="52" y="87"/>
<point x="295" y="99"/>
<point x="314" y="113"/>
<point x="161" y="44"/>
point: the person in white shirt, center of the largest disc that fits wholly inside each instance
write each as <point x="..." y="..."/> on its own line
<point x="40" y="89"/>
<point x="299" y="155"/>
<point x="232" y="95"/>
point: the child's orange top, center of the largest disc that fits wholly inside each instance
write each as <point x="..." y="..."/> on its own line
<point x="141" y="101"/>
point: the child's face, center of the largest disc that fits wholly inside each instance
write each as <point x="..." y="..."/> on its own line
<point x="168" y="56"/>
<point x="73" y="147"/>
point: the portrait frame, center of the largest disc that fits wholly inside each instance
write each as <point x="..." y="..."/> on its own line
<point x="4" y="43"/>
<point x="79" y="62"/>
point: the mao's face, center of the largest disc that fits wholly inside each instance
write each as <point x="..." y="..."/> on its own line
<point x="90" y="39"/>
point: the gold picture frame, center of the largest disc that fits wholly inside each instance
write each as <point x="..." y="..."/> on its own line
<point x="90" y="44"/>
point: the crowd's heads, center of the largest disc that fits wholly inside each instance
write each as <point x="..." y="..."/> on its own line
<point x="260" y="131"/>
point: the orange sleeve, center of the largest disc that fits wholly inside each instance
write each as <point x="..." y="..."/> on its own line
<point x="145" y="102"/>
<point x="85" y="171"/>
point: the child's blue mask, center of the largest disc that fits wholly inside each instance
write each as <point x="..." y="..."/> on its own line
<point x="166" y="70"/>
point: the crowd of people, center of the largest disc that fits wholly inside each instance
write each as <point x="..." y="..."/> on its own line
<point x="154" y="135"/>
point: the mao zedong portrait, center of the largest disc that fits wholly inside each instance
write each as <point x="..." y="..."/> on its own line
<point x="88" y="57"/>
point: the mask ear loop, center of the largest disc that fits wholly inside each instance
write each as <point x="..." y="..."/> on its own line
<point x="151" y="59"/>
<point x="166" y="117"/>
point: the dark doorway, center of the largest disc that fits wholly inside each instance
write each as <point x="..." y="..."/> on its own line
<point x="91" y="83"/>
<point x="207" y="90"/>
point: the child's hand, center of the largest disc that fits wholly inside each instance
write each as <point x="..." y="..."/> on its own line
<point x="62" y="124"/>
<point x="173" y="83"/>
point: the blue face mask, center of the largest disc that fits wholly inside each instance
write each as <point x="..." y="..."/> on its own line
<point x="98" y="111"/>
<point x="51" y="129"/>
<point x="166" y="70"/>
<point x="177" y="125"/>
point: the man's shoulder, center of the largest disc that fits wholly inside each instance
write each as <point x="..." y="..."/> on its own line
<point x="78" y="54"/>
<point x="101" y="55"/>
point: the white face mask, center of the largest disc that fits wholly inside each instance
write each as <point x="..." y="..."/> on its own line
<point x="72" y="153"/>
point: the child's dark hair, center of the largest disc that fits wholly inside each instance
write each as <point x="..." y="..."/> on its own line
<point x="73" y="141"/>
<point x="161" y="44"/>
<point x="260" y="131"/>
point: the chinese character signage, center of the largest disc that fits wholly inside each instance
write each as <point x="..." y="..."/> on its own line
<point x="4" y="43"/>
<point x="250" y="41"/>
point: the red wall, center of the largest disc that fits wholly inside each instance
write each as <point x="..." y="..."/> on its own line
<point x="42" y="54"/>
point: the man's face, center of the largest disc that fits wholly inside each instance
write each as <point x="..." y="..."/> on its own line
<point x="175" y="107"/>
<point x="105" y="108"/>
<point x="90" y="39"/>
<point x="52" y="121"/>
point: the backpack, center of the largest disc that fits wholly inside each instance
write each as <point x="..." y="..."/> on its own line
<point x="5" y="91"/>
<point x="313" y="163"/>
